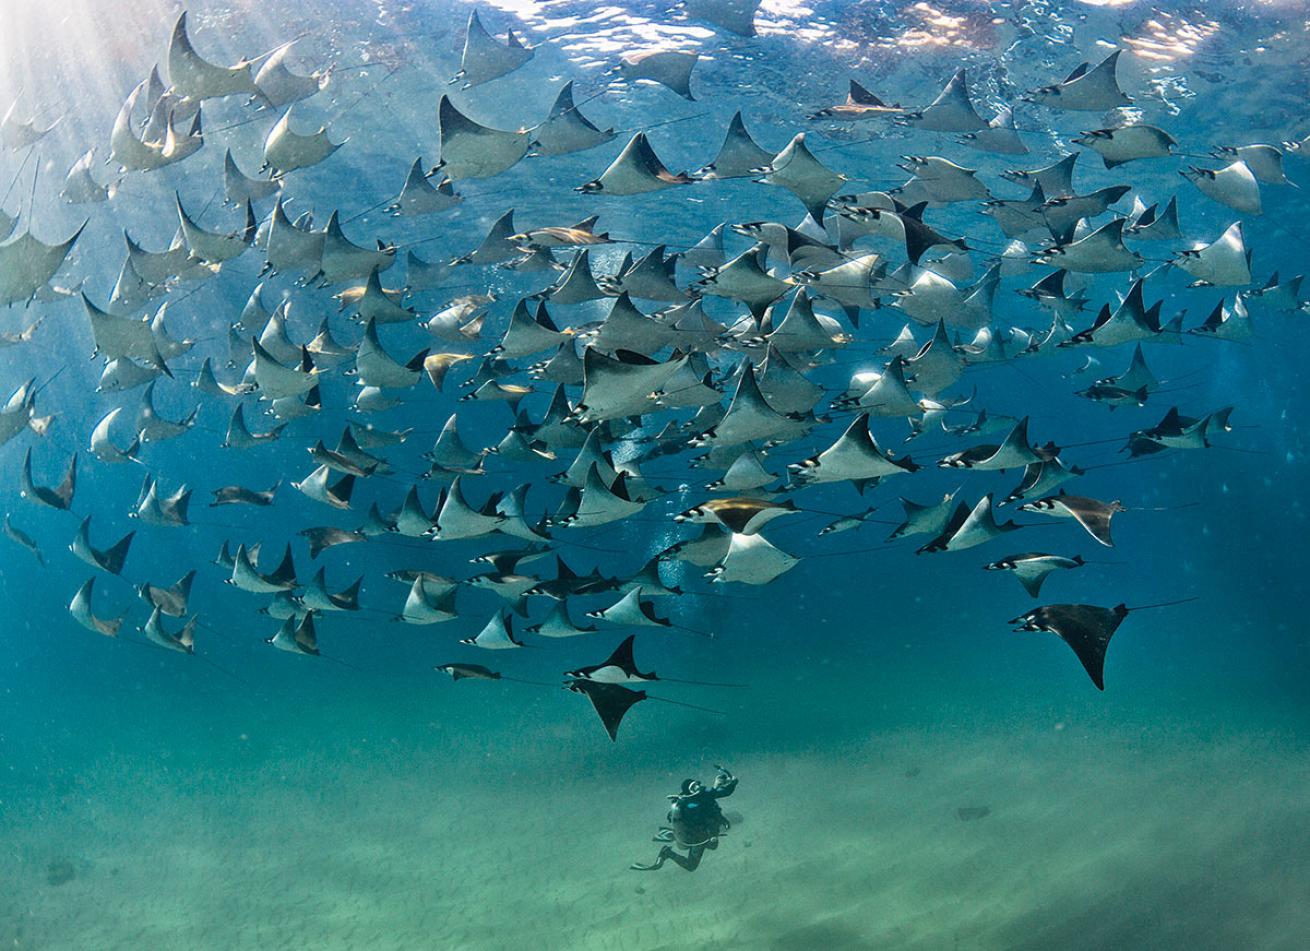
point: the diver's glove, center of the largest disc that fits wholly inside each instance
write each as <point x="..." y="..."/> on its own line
<point x="725" y="776"/>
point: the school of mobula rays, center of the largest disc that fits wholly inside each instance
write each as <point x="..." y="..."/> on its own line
<point x="718" y="365"/>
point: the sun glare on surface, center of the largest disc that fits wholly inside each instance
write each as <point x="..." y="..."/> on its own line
<point x="1165" y="38"/>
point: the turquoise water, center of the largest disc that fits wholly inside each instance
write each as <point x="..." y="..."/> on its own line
<point x="913" y="773"/>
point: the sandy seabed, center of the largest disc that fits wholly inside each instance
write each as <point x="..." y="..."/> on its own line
<point x="1137" y="838"/>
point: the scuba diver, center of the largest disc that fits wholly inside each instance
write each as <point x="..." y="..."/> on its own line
<point x="695" y="822"/>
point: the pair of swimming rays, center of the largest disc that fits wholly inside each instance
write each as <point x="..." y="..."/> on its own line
<point x="605" y="684"/>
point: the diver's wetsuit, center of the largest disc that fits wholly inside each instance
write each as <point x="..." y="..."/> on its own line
<point x="695" y="824"/>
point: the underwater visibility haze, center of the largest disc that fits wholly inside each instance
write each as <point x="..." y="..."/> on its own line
<point x="763" y="474"/>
